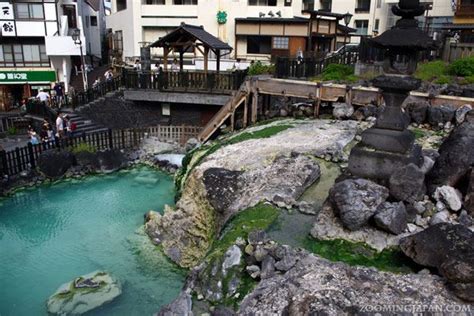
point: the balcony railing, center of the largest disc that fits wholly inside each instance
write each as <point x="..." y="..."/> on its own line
<point x="190" y="81"/>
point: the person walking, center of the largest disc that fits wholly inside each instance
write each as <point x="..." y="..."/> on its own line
<point x="59" y="126"/>
<point x="43" y="97"/>
<point x="58" y="88"/>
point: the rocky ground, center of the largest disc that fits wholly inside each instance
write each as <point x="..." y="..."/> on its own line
<point x="234" y="177"/>
<point x="401" y="216"/>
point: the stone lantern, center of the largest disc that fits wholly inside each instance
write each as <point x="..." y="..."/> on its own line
<point x="388" y="145"/>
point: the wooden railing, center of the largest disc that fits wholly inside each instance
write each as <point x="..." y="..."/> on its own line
<point x="22" y="158"/>
<point x="192" y="81"/>
<point x="94" y="93"/>
<point x="13" y="122"/>
<point x="287" y="67"/>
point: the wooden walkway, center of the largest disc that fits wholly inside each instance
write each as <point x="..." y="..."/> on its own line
<point x="244" y="104"/>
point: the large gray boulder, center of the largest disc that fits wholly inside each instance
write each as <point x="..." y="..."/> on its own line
<point x="111" y="160"/>
<point x="182" y="305"/>
<point x="316" y="286"/>
<point x="356" y="201"/>
<point x="456" y="156"/>
<point x="417" y="110"/>
<point x="54" y="164"/>
<point x="407" y="183"/>
<point x="462" y="112"/>
<point x="391" y="217"/>
<point x="449" y="196"/>
<point x="84" y="294"/>
<point x="342" y="110"/>
<point x="469" y="199"/>
<point x="441" y="114"/>
<point x="450" y="249"/>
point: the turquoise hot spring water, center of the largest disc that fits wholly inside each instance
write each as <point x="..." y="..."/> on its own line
<point x="53" y="233"/>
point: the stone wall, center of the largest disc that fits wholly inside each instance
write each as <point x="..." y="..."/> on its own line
<point x="115" y="112"/>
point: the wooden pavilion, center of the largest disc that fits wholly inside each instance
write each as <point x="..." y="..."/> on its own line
<point x="187" y="38"/>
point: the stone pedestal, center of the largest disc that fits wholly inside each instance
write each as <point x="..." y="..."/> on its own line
<point x="388" y="145"/>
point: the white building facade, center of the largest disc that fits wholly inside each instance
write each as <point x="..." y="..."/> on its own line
<point x="36" y="46"/>
<point x="138" y="22"/>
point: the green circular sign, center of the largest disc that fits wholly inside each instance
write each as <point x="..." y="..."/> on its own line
<point x="222" y="17"/>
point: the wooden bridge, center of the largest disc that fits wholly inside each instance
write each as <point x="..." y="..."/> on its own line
<point x="244" y="104"/>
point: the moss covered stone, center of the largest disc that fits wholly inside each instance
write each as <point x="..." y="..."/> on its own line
<point x="361" y="254"/>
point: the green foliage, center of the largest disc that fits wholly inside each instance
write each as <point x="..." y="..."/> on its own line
<point x="12" y="130"/>
<point x="207" y="150"/>
<point x="444" y="79"/>
<point x="463" y="67"/>
<point x="259" y="217"/>
<point x="467" y="80"/>
<point x="418" y="132"/>
<point x="338" y="72"/>
<point x="258" y="68"/>
<point x="431" y="70"/>
<point x="361" y="254"/>
<point x="83" y="147"/>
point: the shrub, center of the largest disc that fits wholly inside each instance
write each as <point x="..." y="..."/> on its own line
<point x="431" y="70"/>
<point x="337" y="72"/>
<point x="12" y="130"/>
<point x="257" y="68"/>
<point x="443" y="79"/>
<point x="463" y="67"/>
<point x="83" y="147"/>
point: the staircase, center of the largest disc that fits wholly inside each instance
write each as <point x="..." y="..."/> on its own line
<point x="84" y="125"/>
<point x="76" y="80"/>
<point x="226" y="112"/>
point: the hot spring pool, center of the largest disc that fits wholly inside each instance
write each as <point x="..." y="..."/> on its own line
<point x="51" y="234"/>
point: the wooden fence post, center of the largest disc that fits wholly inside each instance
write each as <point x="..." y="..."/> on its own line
<point x="111" y="141"/>
<point x="3" y="158"/>
<point x="18" y="159"/>
<point x="31" y="155"/>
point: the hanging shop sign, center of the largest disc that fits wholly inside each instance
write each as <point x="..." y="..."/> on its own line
<point x="222" y="17"/>
<point x="27" y="76"/>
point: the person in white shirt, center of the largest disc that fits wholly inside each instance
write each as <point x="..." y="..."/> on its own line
<point x="237" y="64"/>
<point x="43" y="97"/>
<point x="60" y="125"/>
<point x="175" y="66"/>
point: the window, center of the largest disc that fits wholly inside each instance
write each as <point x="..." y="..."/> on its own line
<point x="185" y="2"/>
<point x="280" y="42"/>
<point x="118" y="41"/>
<point x="121" y="5"/>
<point x="26" y="55"/>
<point x="362" y="27"/>
<point x="29" y="11"/>
<point x="259" y="45"/>
<point x="326" y="5"/>
<point x="265" y="3"/>
<point x="363" y="6"/>
<point x="379" y="4"/>
<point x="153" y="2"/>
<point x="93" y="21"/>
<point x="377" y="24"/>
<point x="287" y="3"/>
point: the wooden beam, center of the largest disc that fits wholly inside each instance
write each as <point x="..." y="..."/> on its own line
<point x="181" y="60"/>
<point x="254" y="107"/>
<point x="206" y="59"/>
<point x="166" y="51"/>
<point x="218" y="61"/>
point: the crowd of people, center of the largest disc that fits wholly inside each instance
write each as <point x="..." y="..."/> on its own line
<point x="63" y="128"/>
<point x="56" y="99"/>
